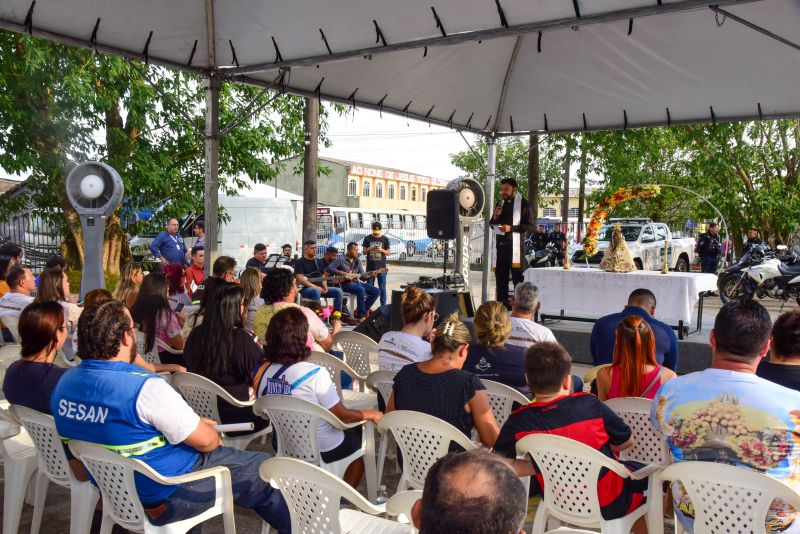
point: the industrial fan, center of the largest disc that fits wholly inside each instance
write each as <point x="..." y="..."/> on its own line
<point x="95" y="190"/>
<point x="470" y="209"/>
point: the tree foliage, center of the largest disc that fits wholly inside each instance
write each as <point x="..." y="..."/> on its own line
<point x="61" y="105"/>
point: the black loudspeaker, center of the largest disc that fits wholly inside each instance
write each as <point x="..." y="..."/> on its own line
<point x="376" y="324"/>
<point x="448" y="301"/>
<point x="442" y="213"/>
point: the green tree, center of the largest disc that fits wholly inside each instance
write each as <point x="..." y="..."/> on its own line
<point x="61" y="105"/>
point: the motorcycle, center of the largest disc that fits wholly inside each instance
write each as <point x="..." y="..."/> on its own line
<point x="545" y="257"/>
<point x="761" y="273"/>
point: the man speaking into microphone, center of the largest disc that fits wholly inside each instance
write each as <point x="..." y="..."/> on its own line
<point x="512" y="220"/>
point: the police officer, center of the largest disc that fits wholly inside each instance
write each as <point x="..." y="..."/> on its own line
<point x="709" y="249"/>
<point x="558" y="237"/>
<point x="539" y="238"/>
<point x="752" y="239"/>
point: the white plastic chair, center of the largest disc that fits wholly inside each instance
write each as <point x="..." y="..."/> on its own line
<point x="11" y="320"/>
<point x="422" y="439"/>
<point x="400" y="504"/>
<point x="8" y="355"/>
<point x="571" y="471"/>
<point x="203" y="395"/>
<point x="649" y="445"/>
<point x="114" y="475"/>
<point x="152" y="355"/>
<point x="314" y="496"/>
<point x="53" y="465"/>
<point x="502" y="399"/>
<point x="356" y="400"/>
<point x="19" y="465"/>
<point x="591" y="374"/>
<point x="726" y="498"/>
<point x="357" y="349"/>
<point x="295" y="423"/>
<point x="382" y="382"/>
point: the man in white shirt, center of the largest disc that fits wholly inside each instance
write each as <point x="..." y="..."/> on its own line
<point x="524" y="305"/>
<point x="21" y="283"/>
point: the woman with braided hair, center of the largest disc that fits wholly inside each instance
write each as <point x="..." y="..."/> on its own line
<point x="441" y="388"/>
<point x="634" y="371"/>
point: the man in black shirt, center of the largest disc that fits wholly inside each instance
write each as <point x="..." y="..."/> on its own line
<point x="783" y="367"/>
<point x="752" y="239"/>
<point x="376" y="247"/>
<point x="259" y="259"/>
<point x="709" y="249"/>
<point x="539" y="238"/>
<point x="310" y="273"/>
<point x="558" y="238"/>
<point x="512" y="220"/>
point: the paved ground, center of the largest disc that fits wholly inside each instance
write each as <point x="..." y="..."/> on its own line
<point x="56" y="514"/>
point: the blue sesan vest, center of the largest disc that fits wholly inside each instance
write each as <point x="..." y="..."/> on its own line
<point x="96" y="402"/>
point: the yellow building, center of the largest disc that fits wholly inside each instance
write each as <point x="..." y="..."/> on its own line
<point x="379" y="187"/>
<point x="550" y="206"/>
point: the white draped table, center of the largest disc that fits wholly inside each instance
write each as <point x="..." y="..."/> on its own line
<point x="592" y="293"/>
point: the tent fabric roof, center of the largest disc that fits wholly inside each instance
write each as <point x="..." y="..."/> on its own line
<point x="486" y="68"/>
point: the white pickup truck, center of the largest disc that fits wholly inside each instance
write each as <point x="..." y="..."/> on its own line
<point x="645" y="239"/>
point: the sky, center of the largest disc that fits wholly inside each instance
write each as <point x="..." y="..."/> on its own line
<point x="392" y="141"/>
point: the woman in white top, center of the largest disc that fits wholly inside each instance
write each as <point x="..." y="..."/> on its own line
<point x="285" y="354"/>
<point x="398" y="349"/>
<point x="54" y="285"/>
<point x="251" y="285"/>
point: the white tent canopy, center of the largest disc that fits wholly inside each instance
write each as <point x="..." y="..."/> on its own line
<point x="489" y="66"/>
<point x="598" y="64"/>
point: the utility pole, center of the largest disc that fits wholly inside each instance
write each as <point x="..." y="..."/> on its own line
<point x="311" y="130"/>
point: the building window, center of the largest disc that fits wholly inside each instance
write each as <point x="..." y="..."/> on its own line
<point x="379" y="190"/>
<point x="391" y="191"/>
<point x="424" y="194"/>
<point x="549" y="212"/>
<point x="365" y="188"/>
<point x="352" y="188"/>
<point x="413" y="194"/>
<point x="402" y="192"/>
<point x="573" y="212"/>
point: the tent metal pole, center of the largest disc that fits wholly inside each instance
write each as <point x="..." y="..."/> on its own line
<point x="489" y="33"/>
<point x="488" y="192"/>
<point x="212" y="85"/>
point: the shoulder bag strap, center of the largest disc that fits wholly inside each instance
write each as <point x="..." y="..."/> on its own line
<point x="656" y="380"/>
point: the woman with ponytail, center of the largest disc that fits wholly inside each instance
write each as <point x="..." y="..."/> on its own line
<point x="439" y="387"/>
<point x="398" y="349"/>
<point x="634" y="371"/>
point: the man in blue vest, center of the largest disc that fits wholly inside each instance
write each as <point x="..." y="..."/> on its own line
<point x="108" y="401"/>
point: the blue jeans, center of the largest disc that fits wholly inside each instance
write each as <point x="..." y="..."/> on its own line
<point x="249" y="490"/>
<point x="381" y="285"/>
<point x="366" y="295"/>
<point x="335" y="293"/>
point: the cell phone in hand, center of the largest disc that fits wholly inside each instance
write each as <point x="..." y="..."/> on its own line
<point x="179" y="307"/>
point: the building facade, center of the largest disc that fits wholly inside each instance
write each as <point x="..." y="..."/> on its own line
<point x="357" y="185"/>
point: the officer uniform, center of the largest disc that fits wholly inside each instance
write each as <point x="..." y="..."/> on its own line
<point x="751" y="241"/>
<point x="709" y="248"/>
<point x="559" y="239"/>
<point x="539" y="240"/>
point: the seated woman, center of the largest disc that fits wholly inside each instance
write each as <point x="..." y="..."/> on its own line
<point x="221" y="350"/>
<point x="493" y="358"/>
<point x="54" y="285"/>
<point x="99" y="295"/>
<point x="203" y="295"/>
<point x="634" y="371"/>
<point x="280" y="292"/>
<point x="441" y="388"/>
<point x="398" y="349"/>
<point x="176" y="295"/>
<point x="285" y="354"/>
<point x="251" y="284"/>
<point x="30" y="380"/>
<point x="128" y="284"/>
<point x="155" y="318"/>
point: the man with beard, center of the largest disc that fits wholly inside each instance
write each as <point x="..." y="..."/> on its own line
<point x="111" y="402"/>
<point x="512" y="220"/>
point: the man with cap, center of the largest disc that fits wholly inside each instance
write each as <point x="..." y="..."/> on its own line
<point x="752" y="240"/>
<point x="376" y="247"/>
<point x="709" y="248"/>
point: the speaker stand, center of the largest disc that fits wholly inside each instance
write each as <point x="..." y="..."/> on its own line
<point x="444" y="265"/>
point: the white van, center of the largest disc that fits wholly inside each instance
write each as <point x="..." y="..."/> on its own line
<point x="251" y="219"/>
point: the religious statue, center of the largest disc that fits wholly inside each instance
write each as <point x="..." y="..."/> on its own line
<point x="617" y="257"/>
